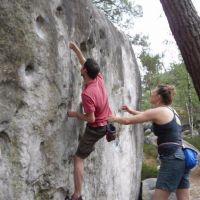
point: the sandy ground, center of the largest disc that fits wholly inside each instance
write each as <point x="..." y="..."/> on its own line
<point x="195" y="184"/>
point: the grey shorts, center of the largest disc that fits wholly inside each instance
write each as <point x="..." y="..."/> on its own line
<point x="87" y="142"/>
<point x="173" y="174"/>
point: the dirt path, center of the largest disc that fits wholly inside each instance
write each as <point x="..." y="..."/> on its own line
<point x="195" y="184"/>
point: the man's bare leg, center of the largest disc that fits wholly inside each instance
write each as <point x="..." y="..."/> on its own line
<point x="78" y="176"/>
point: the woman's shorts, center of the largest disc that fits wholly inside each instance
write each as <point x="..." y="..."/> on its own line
<point x="87" y="142"/>
<point x="173" y="174"/>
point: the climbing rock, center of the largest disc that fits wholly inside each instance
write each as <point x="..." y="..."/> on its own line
<point x="148" y="187"/>
<point x="40" y="81"/>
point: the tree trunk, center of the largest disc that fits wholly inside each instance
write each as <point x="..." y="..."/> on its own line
<point x="189" y="106"/>
<point x="184" y="23"/>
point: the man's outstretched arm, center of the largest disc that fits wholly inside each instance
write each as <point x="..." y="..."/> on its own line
<point x="78" y="52"/>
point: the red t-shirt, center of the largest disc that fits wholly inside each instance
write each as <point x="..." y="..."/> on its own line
<point x="95" y="99"/>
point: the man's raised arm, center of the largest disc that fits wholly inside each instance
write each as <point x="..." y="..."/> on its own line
<point x="78" y="52"/>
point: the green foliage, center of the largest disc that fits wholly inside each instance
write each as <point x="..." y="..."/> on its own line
<point x="178" y="76"/>
<point x="151" y="63"/>
<point x="140" y="40"/>
<point x="145" y="104"/>
<point x="195" y="141"/>
<point x="150" y="151"/>
<point x="148" y="171"/>
<point x="152" y="66"/>
<point x="120" y="12"/>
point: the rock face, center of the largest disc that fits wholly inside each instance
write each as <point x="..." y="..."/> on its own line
<point x="40" y="81"/>
<point x="148" y="187"/>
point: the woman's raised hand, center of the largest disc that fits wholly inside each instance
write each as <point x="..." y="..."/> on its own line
<point x="125" y="108"/>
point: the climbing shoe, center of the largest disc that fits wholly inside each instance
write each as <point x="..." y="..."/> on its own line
<point x="72" y="198"/>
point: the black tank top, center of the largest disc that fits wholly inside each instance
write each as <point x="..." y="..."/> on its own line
<point x="169" y="132"/>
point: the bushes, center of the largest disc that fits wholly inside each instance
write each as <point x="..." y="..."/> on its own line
<point x="149" y="165"/>
<point x="148" y="171"/>
<point x="195" y="141"/>
<point x="150" y="151"/>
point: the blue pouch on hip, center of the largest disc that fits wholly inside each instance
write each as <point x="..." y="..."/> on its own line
<point x="191" y="157"/>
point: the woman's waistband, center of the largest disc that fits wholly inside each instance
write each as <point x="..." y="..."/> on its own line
<point x="170" y="143"/>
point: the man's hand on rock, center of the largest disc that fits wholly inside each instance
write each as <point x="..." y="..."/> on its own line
<point x="72" y="114"/>
<point x="72" y="45"/>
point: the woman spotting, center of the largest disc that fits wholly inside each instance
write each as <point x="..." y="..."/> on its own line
<point x="172" y="176"/>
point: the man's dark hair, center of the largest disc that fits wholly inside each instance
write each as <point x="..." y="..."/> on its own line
<point x="92" y="68"/>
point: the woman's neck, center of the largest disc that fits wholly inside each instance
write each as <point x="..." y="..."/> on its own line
<point x="160" y="105"/>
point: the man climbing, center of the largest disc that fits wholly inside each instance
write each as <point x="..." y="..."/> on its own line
<point x="97" y="111"/>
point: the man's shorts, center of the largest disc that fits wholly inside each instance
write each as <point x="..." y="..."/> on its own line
<point x="87" y="142"/>
<point x="173" y="174"/>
